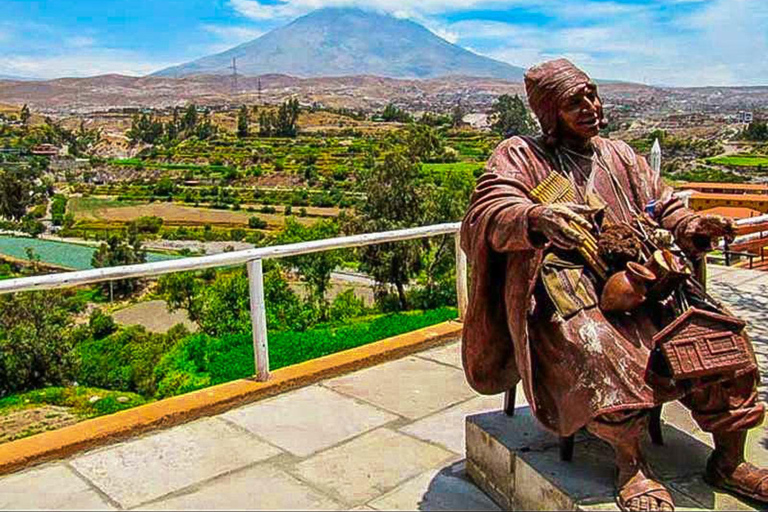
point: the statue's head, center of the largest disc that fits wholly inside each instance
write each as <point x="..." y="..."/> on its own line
<point x="565" y="100"/>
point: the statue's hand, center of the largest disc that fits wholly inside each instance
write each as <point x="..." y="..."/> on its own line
<point x="700" y="233"/>
<point x="553" y="222"/>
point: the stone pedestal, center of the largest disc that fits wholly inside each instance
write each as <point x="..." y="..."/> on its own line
<point x="517" y="463"/>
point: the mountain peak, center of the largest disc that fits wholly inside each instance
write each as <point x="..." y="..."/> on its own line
<point x="343" y="41"/>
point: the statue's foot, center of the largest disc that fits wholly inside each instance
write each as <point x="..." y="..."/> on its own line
<point x="746" y="480"/>
<point x="641" y="493"/>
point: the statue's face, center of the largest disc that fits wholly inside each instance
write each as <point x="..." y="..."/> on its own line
<point x="580" y="113"/>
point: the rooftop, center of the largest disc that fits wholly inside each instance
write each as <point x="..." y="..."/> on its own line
<point x="389" y="437"/>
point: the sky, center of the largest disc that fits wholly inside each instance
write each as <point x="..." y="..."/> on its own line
<point x="658" y="42"/>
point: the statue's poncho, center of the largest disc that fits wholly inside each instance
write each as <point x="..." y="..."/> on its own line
<point x="573" y="369"/>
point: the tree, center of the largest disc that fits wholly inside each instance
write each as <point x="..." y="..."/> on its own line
<point x="35" y="341"/>
<point x="509" y="117"/>
<point x="282" y="124"/>
<point x="145" y="129"/>
<point x="19" y="188"/>
<point x="315" y="269"/>
<point x="180" y="291"/>
<point x="25" y="115"/>
<point x="457" y="115"/>
<point x="118" y="251"/>
<point x="189" y="120"/>
<point x="392" y="113"/>
<point x="243" y="121"/>
<point x="394" y="263"/>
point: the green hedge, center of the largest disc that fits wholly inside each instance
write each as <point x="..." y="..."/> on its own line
<point x="201" y="361"/>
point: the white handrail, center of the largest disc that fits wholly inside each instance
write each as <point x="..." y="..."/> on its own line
<point x="253" y="259"/>
<point x="69" y="279"/>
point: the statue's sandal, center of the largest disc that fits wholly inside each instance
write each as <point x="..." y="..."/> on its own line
<point x="750" y="481"/>
<point x="641" y="486"/>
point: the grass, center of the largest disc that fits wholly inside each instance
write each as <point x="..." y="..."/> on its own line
<point x="740" y="161"/>
<point x="453" y="167"/>
<point x="77" y="398"/>
<point x="89" y="205"/>
<point x="201" y="361"/>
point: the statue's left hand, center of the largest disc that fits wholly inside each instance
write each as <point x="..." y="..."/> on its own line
<point x="700" y="233"/>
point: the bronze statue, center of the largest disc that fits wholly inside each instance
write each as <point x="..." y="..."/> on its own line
<point x="549" y="233"/>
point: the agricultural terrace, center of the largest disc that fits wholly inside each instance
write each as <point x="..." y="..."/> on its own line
<point x="196" y="181"/>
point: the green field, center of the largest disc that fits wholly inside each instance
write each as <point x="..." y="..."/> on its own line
<point x="60" y="254"/>
<point x="740" y="161"/>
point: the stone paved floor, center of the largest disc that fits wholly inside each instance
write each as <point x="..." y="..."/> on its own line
<point x="389" y="437"/>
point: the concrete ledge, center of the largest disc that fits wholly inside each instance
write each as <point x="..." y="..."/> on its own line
<point x="517" y="463"/>
<point x="206" y="402"/>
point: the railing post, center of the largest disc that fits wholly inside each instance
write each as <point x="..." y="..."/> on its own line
<point x="462" y="294"/>
<point x="258" y="320"/>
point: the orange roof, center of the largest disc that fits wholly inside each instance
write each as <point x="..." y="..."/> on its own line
<point x="734" y="212"/>
<point x="723" y="186"/>
<point x="759" y="198"/>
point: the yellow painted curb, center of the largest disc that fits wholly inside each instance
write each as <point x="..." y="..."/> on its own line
<point x="100" y="431"/>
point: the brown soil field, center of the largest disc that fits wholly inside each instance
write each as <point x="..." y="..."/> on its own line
<point x="179" y="215"/>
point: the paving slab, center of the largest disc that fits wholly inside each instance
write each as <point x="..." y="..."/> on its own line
<point x="440" y="427"/>
<point x="410" y="387"/>
<point x="147" y="468"/>
<point x="260" y="487"/>
<point x="438" y="489"/>
<point x="450" y="355"/>
<point x="308" y="420"/>
<point x="54" y="487"/>
<point x="520" y="469"/>
<point x="370" y="465"/>
<point x="706" y="497"/>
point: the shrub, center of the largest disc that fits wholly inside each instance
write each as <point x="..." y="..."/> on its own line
<point x="124" y="360"/>
<point x="346" y="305"/>
<point x="101" y="325"/>
<point x="257" y="223"/>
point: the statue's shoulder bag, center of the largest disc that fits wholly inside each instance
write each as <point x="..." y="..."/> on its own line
<point x="703" y="343"/>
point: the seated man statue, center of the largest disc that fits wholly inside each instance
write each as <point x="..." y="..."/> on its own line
<point x="582" y="366"/>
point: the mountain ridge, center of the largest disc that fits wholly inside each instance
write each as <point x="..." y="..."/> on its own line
<point x="333" y="42"/>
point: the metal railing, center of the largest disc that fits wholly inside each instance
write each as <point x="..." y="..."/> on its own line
<point x="252" y="258"/>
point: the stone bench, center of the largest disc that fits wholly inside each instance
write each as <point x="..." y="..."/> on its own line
<point x="517" y="463"/>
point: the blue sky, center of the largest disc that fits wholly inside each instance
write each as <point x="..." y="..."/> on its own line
<point x="667" y="42"/>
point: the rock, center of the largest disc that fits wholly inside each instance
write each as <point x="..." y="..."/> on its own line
<point x="94" y="399"/>
<point x="123" y="399"/>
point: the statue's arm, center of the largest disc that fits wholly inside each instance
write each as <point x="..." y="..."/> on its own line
<point x="501" y="212"/>
<point x="670" y="211"/>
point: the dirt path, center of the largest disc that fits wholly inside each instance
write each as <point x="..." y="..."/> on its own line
<point x="26" y="422"/>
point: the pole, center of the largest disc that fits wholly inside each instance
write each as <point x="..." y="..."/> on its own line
<point x="258" y="320"/>
<point x="462" y="294"/>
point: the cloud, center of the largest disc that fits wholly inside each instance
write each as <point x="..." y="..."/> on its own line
<point x="89" y="62"/>
<point x="80" y="41"/>
<point x="718" y="42"/>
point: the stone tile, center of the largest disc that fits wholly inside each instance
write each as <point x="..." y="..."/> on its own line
<point x="707" y="497"/>
<point x="147" y="468"/>
<point x="446" y="489"/>
<point x="447" y="427"/>
<point x="450" y="354"/>
<point x="308" y="420"/>
<point x="261" y="487"/>
<point x="48" y="488"/>
<point x="677" y="441"/>
<point x="370" y="465"/>
<point x="411" y="387"/>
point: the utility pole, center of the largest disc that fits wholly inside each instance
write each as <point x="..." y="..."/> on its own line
<point x="233" y="67"/>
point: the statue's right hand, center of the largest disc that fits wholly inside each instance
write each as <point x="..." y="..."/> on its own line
<point x="553" y="221"/>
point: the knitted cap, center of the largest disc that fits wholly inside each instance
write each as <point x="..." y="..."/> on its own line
<point x="547" y="84"/>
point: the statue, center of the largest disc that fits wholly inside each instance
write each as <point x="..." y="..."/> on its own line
<point x="565" y="234"/>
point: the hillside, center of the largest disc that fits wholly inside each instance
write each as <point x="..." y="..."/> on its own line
<point x="343" y="42"/>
